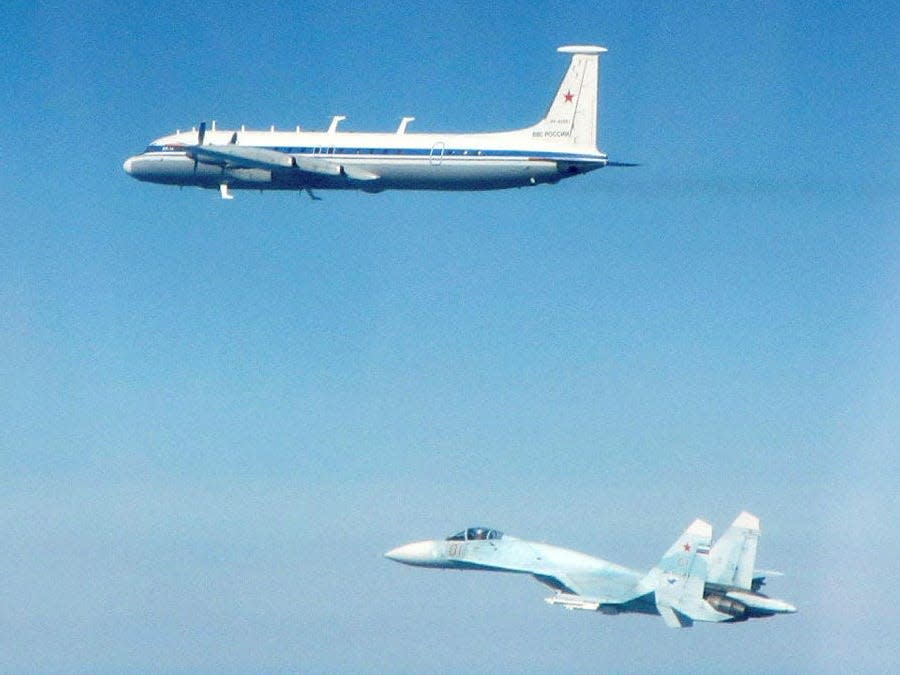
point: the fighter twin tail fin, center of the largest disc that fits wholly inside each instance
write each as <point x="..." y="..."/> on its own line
<point x="733" y="556"/>
<point x="679" y="578"/>
<point x="696" y="582"/>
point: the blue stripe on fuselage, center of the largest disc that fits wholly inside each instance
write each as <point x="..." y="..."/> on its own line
<point x="402" y="153"/>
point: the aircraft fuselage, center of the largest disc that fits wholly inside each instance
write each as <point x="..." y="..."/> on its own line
<point x="365" y="161"/>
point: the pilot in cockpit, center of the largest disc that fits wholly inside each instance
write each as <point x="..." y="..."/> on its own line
<point x="476" y="534"/>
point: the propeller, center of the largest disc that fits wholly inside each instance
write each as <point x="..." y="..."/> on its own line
<point x="201" y="134"/>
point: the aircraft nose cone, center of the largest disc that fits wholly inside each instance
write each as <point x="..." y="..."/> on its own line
<point x="127" y="165"/>
<point x="419" y="553"/>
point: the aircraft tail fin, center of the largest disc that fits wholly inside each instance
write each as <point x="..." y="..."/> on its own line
<point x="695" y="540"/>
<point x="732" y="557"/>
<point x="679" y="577"/>
<point x="572" y="117"/>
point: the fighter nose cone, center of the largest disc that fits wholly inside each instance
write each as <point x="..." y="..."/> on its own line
<point x="128" y="164"/>
<point x="419" y="553"/>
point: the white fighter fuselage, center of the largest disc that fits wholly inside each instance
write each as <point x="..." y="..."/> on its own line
<point x="562" y="144"/>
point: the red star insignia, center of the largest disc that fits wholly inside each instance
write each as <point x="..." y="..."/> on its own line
<point x="687" y="547"/>
<point x="569" y="96"/>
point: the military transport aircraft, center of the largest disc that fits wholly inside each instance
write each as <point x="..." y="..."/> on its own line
<point x="562" y="144"/>
<point x="692" y="582"/>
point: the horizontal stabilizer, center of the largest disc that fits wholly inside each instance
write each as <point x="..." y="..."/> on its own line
<point x="582" y="49"/>
<point x="674" y="619"/>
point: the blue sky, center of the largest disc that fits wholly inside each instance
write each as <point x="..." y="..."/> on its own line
<point x="215" y="417"/>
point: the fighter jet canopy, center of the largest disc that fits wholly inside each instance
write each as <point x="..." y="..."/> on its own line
<point x="476" y="533"/>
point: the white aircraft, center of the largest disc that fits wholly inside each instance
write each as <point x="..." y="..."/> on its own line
<point x="694" y="580"/>
<point x="562" y="144"/>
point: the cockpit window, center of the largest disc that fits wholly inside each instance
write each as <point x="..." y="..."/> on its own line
<point x="476" y="534"/>
<point x="177" y="147"/>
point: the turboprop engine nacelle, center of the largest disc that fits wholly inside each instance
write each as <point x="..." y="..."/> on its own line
<point x="250" y="175"/>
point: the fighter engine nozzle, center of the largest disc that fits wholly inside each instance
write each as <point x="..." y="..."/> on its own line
<point x="762" y="602"/>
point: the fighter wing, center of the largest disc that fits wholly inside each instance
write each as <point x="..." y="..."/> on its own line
<point x="610" y="584"/>
<point x="732" y="557"/>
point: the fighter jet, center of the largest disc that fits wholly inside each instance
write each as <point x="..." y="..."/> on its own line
<point x="694" y="580"/>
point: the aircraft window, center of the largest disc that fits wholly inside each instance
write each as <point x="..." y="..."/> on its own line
<point x="476" y="534"/>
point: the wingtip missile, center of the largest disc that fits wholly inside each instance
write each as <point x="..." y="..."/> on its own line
<point x="570" y="601"/>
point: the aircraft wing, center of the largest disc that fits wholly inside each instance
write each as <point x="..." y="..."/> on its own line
<point x="236" y="157"/>
<point x="610" y="585"/>
<point x="233" y="156"/>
